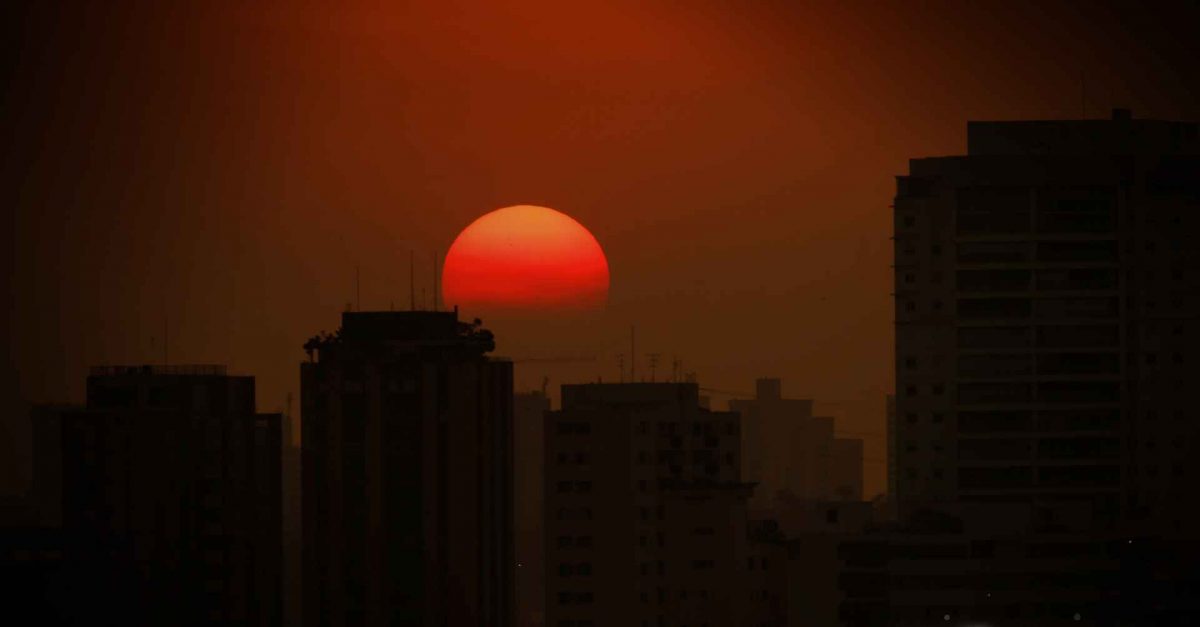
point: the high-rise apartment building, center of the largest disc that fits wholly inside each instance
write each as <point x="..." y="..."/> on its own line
<point x="172" y="479"/>
<point x="1042" y="447"/>
<point x="1046" y="319"/>
<point x="407" y="474"/>
<point x="645" y="515"/>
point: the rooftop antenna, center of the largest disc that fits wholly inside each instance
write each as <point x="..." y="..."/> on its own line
<point x="621" y="365"/>
<point x="357" y="289"/>
<point x="653" y="365"/>
<point x="545" y="382"/>
<point x="424" y="303"/>
<point x="632" y="353"/>
<point x="412" y="286"/>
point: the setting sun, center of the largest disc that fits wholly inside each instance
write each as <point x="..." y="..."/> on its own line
<point x="525" y="257"/>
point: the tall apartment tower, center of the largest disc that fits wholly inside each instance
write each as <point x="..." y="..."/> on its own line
<point x="1046" y="320"/>
<point x="646" y="511"/>
<point x="407" y="474"/>
<point x="171" y="483"/>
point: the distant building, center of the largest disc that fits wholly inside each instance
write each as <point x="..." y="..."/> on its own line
<point x="646" y="512"/>
<point x="787" y="450"/>
<point x="170" y="481"/>
<point x="407" y="474"/>
<point x="529" y="415"/>
<point x="781" y="446"/>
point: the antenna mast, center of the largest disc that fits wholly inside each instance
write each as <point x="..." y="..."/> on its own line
<point x="412" y="285"/>
<point x="357" y="289"/>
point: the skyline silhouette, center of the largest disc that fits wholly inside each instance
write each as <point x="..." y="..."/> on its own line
<point x="190" y="175"/>
<point x="915" y="282"/>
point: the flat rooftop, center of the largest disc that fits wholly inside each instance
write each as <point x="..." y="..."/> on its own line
<point x="1120" y="134"/>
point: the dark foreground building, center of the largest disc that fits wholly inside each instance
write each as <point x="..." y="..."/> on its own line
<point x="1047" y="335"/>
<point x="407" y="474"/>
<point x="170" y="492"/>
<point x="529" y="411"/>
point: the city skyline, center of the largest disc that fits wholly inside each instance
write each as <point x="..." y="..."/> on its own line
<point x="228" y="145"/>
<point x="677" y="314"/>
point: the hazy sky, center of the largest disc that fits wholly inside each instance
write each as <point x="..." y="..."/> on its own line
<point x="225" y="167"/>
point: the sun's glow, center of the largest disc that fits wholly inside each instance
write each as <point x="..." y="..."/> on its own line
<point x="525" y="257"/>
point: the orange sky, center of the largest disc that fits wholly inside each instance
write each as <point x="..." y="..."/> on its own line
<point x="227" y="167"/>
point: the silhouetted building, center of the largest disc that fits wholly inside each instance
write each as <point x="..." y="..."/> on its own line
<point x="407" y="472"/>
<point x="646" y="511"/>
<point x="170" y="481"/>
<point x="1046" y="316"/>
<point x="1046" y="329"/>
<point x="787" y="450"/>
<point x="893" y="474"/>
<point x="292" y="521"/>
<point x="782" y="445"/>
<point x="529" y="415"/>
